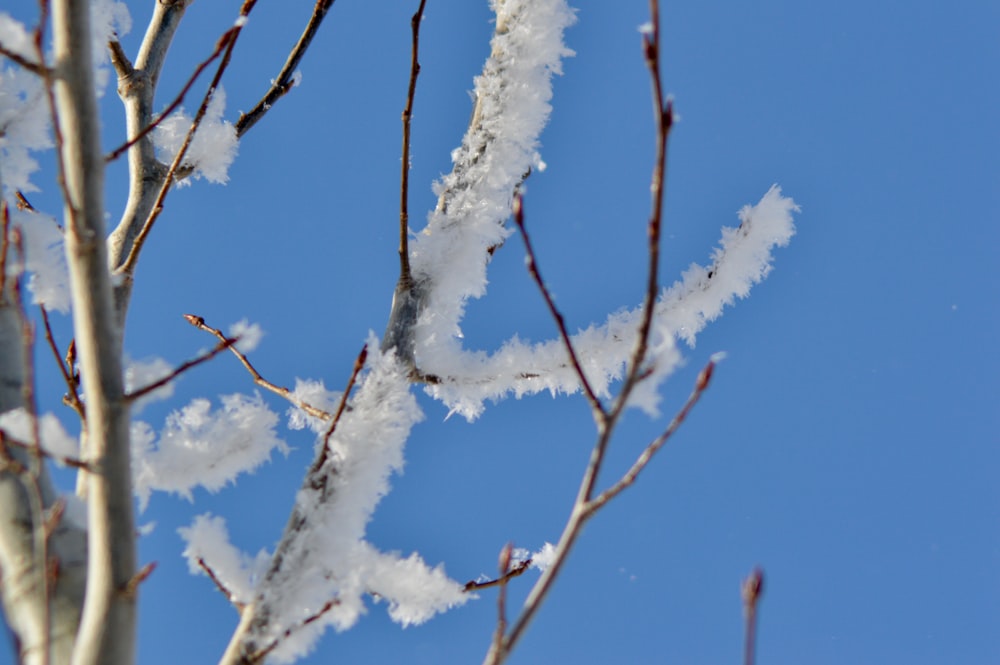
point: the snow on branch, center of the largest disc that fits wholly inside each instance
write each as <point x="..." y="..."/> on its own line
<point x="44" y="259"/>
<point x="512" y="106"/>
<point x="323" y="568"/>
<point x="199" y="446"/>
<point x="213" y="148"/>
<point x="743" y="259"/>
<point x="209" y="551"/>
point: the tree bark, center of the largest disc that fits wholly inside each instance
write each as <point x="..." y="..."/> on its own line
<point x="107" y="626"/>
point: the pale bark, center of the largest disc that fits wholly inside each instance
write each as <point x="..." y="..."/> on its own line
<point x="36" y="622"/>
<point x="107" y="627"/>
<point x="137" y="87"/>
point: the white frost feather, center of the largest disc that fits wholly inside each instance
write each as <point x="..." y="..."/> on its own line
<point x="682" y="311"/>
<point x="213" y="148"/>
<point x="199" y="446"/>
<point x="329" y="559"/>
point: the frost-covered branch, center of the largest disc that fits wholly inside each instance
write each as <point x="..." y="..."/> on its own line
<point x="448" y="259"/>
<point x="322" y="556"/>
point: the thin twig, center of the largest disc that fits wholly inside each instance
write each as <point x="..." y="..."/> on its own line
<point x="72" y="382"/>
<point x="630" y="476"/>
<point x="219" y="47"/>
<point x="183" y="367"/>
<point x="664" y="116"/>
<point x="501" y="628"/>
<point x="285" y="80"/>
<point x="33" y="67"/>
<point x="404" y="180"/>
<point x="73" y="462"/>
<point x="313" y="411"/>
<point x="359" y="363"/>
<point x="218" y="583"/>
<point x="753" y="588"/>
<point x="258" y="656"/>
<point x="227" y="42"/>
<point x="516" y="571"/>
<point x="4" y="247"/>
<point x="585" y="506"/>
<point x="22" y="203"/>
<point x="132" y="586"/>
<point x="595" y="404"/>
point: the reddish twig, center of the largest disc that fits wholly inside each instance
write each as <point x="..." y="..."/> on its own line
<point x="72" y="398"/>
<point x="753" y="588"/>
<point x="22" y="203"/>
<point x="586" y="505"/>
<point x="260" y="655"/>
<point x="404" y="180"/>
<point x="199" y="322"/>
<point x="359" y="363"/>
<point x="34" y="67"/>
<point x="516" y="571"/>
<point x="132" y="586"/>
<point x="183" y="367"/>
<point x="284" y="82"/>
<point x="227" y="42"/>
<point x="218" y="583"/>
<point x="595" y="404"/>
<point x="630" y="476"/>
<point x="118" y="53"/>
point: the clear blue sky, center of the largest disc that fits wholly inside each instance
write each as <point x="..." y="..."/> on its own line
<point x="849" y="443"/>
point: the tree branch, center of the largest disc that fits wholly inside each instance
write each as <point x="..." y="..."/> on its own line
<point x="313" y="411"/>
<point x="284" y="82"/>
<point x="596" y="407"/>
<point x="753" y="588"/>
<point x="180" y="369"/>
<point x="107" y="627"/>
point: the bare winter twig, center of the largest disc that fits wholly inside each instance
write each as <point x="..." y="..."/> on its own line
<point x="595" y="404"/>
<point x="285" y="80"/>
<point x="753" y="588"/>
<point x="199" y="323"/>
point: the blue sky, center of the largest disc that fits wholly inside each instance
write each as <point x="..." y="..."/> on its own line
<point x="848" y="443"/>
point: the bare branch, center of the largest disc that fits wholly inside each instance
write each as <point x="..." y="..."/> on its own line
<point x="22" y="203"/>
<point x="259" y="656"/>
<point x="199" y="322"/>
<point x="226" y="42"/>
<point x="284" y="82"/>
<point x="753" y="588"/>
<point x="72" y="397"/>
<point x="630" y="476"/>
<point x="405" y="278"/>
<point x="34" y="67"/>
<point x="359" y="364"/>
<point x="596" y="407"/>
<point x="218" y="583"/>
<point x="123" y="148"/>
<point x="183" y="367"/>
<point x="501" y="628"/>
<point x="516" y="571"/>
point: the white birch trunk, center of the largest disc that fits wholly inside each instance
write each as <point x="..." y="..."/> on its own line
<point x="107" y="627"/>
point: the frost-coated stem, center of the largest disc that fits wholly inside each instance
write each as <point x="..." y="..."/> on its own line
<point x="107" y="627"/>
